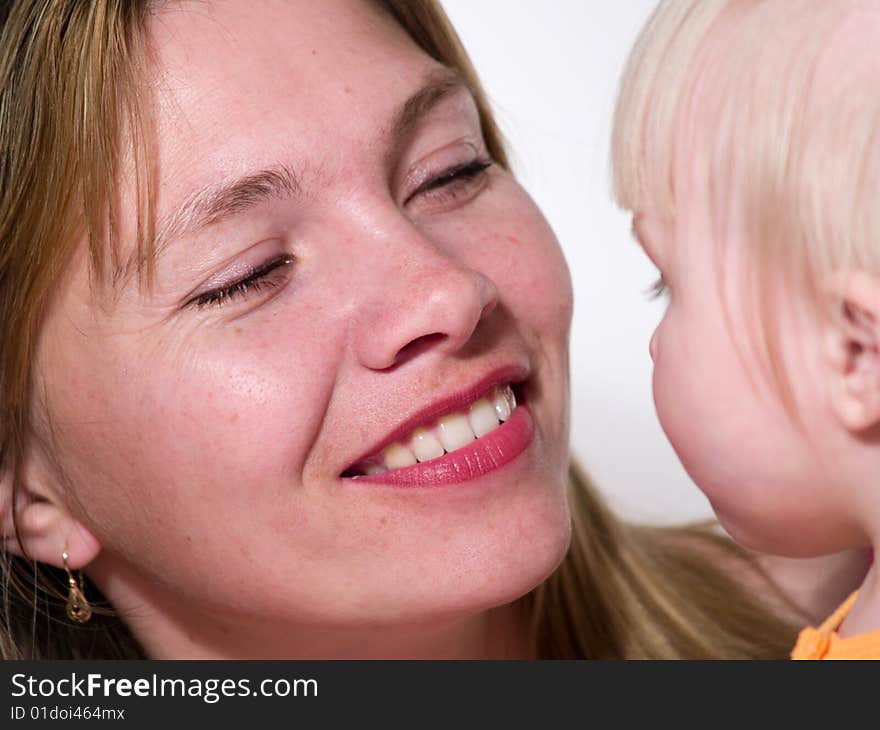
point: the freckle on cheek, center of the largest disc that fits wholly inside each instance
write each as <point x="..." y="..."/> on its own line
<point x="383" y="520"/>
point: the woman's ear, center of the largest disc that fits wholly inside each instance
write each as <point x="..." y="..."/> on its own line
<point x="853" y="344"/>
<point x="46" y="527"/>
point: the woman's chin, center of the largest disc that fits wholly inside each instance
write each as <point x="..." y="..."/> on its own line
<point x="521" y="568"/>
<point x="493" y="571"/>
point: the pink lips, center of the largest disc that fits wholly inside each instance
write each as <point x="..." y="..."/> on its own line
<point x="484" y="455"/>
<point x="456" y="401"/>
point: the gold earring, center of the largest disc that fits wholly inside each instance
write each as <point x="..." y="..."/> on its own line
<point x="78" y="608"/>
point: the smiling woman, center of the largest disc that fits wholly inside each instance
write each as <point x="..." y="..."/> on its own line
<point x="284" y="357"/>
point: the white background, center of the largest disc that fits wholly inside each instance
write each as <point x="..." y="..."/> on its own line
<point x="551" y="69"/>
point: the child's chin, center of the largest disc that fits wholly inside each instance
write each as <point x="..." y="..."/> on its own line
<point x="766" y="537"/>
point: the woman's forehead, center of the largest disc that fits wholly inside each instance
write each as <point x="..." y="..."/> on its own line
<point x="229" y="70"/>
<point x="221" y="42"/>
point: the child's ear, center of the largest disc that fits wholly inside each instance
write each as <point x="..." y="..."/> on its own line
<point x="46" y="527"/>
<point x="854" y="351"/>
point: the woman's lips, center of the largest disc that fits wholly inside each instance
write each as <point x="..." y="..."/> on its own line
<point x="449" y="432"/>
<point x="483" y="455"/>
<point x="495" y="383"/>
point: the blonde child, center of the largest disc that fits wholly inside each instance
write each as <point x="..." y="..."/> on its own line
<point x="747" y="147"/>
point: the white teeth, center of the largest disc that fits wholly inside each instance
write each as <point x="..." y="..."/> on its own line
<point x="425" y="445"/>
<point x="454" y="431"/>
<point x="397" y="457"/>
<point x="483" y="418"/>
<point x="449" y="433"/>
<point x="504" y="402"/>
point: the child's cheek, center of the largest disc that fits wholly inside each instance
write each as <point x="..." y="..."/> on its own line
<point x="681" y="407"/>
<point x="662" y="383"/>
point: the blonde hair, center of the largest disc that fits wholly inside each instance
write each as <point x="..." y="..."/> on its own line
<point x="791" y="164"/>
<point x="68" y="88"/>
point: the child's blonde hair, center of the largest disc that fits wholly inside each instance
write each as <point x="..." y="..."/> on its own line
<point x="792" y="163"/>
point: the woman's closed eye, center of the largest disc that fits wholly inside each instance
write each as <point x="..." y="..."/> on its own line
<point x="457" y="183"/>
<point x="267" y="275"/>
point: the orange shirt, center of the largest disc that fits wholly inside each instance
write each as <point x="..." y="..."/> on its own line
<point x="824" y="642"/>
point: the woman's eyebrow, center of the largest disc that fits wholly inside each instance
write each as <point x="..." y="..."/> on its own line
<point x="216" y="203"/>
<point x="437" y="86"/>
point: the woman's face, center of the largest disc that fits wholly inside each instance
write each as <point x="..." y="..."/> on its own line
<point x="335" y="268"/>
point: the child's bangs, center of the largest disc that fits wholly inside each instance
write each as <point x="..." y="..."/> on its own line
<point x="654" y="84"/>
<point x="777" y="151"/>
<point x="724" y="92"/>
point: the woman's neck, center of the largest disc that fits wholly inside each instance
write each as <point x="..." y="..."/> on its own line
<point x="169" y="628"/>
<point x="495" y="634"/>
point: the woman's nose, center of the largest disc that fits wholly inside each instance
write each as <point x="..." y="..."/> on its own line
<point x="434" y="304"/>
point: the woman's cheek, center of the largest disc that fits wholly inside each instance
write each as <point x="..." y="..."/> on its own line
<point x="258" y="388"/>
<point x="207" y="411"/>
<point x="534" y="278"/>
